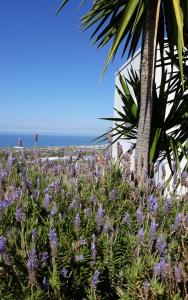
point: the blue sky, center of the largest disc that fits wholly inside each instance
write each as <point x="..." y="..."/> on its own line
<point x="49" y="73"/>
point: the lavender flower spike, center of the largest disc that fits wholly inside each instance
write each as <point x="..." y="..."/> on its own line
<point x="167" y="205"/>
<point x="140" y="236"/>
<point x="152" y="204"/>
<point x="95" y="279"/>
<point x="47" y="200"/>
<point x="178" y="222"/>
<point x="100" y="214"/>
<point x="161" y="269"/>
<point x="153" y="229"/>
<point x="53" y="211"/>
<point x="157" y="270"/>
<point x="20" y="215"/>
<point x="77" y="222"/>
<point x="64" y="272"/>
<point x="34" y="234"/>
<point x="140" y="216"/>
<point x="93" y="248"/>
<point x="32" y="266"/>
<point x="161" y="244"/>
<point x="107" y="226"/>
<point x="2" y="244"/>
<point x="45" y="257"/>
<point x="53" y="241"/>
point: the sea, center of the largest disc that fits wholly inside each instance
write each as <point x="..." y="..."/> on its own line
<point x="11" y="140"/>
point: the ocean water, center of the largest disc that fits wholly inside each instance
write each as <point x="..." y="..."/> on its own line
<point x="11" y="140"/>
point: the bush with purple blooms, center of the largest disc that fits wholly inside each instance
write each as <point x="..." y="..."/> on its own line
<point x="87" y="234"/>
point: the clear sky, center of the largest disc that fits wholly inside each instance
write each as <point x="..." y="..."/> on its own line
<point x="49" y="73"/>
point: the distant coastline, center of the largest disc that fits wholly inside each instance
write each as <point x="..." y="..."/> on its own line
<point x="46" y="140"/>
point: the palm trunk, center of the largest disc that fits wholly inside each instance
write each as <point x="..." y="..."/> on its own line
<point x="147" y="80"/>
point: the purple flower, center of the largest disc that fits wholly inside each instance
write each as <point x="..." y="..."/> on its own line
<point x="87" y="212"/>
<point x="32" y="262"/>
<point x="140" y="236"/>
<point x="140" y="216"/>
<point x="167" y="205"/>
<point x="152" y="204"/>
<point x="53" y="241"/>
<point x="100" y="214"/>
<point x="178" y="222"/>
<point x="107" y="225"/>
<point x="177" y="273"/>
<point x="35" y="194"/>
<point x="161" y="244"/>
<point x="72" y="204"/>
<point x="53" y="211"/>
<point x="45" y="257"/>
<point x="20" y="215"/>
<point x="34" y="234"/>
<point x="77" y="222"/>
<point x="164" y="267"/>
<point x="157" y="270"/>
<point x="93" y="248"/>
<point x="5" y="203"/>
<point x="127" y="220"/>
<point x="64" y="272"/>
<point x="79" y="258"/>
<point x="153" y="229"/>
<point x="161" y="269"/>
<point x="47" y="200"/>
<point x="16" y="194"/>
<point x="2" y="244"/>
<point x="95" y="279"/>
<point x="113" y="195"/>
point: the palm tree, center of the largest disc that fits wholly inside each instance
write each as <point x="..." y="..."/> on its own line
<point x="168" y="139"/>
<point x="127" y="22"/>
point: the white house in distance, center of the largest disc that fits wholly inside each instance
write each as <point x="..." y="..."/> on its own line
<point x="135" y="64"/>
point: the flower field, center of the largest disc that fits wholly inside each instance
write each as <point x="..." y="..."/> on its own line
<point x="79" y="230"/>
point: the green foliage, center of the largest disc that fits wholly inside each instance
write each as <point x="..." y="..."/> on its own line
<point x="122" y="23"/>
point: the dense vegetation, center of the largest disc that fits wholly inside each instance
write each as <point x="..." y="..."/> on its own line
<point x="77" y="230"/>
